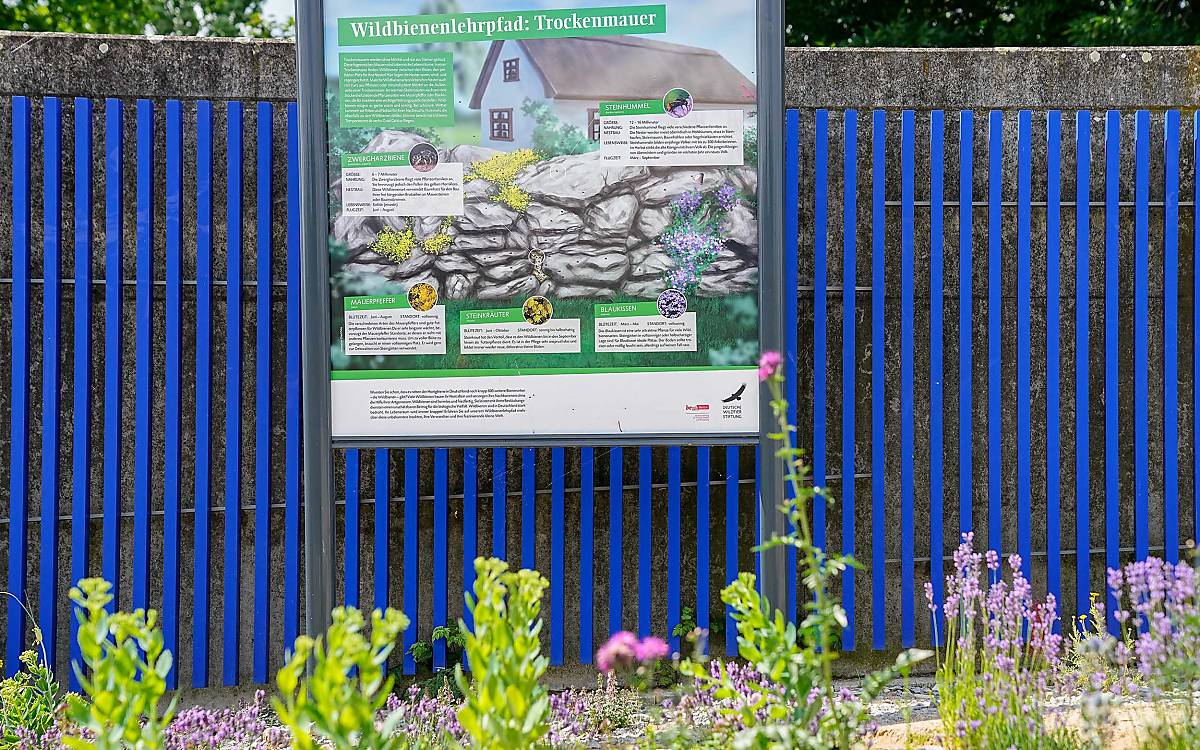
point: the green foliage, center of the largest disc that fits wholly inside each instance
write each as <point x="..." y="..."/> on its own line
<point x="338" y="703"/>
<point x="221" y="18"/>
<point x="29" y="698"/>
<point x="794" y="661"/>
<point x="422" y="654"/>
<point x="506" y="705"/>
<point x="750" y="146"/>
<point x="987" y="23"/>
<point x="687" y="622"/>
<point x="551" y="136"/>
<point x="125" y="676"/>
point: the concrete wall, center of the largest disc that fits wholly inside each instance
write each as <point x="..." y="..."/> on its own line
<point x="129" y="68"/>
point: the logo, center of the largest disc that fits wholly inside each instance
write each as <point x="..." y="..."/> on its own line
<point x="737" y="395"/>
<point x="698" y="407"/>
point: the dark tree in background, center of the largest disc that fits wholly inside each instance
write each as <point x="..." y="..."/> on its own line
<point x="811" y="23"/>
<point x="177" y="17"/>
<point x="1003" y="23"/>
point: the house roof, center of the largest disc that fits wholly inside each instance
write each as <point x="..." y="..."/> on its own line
<point x="616" y="68"/>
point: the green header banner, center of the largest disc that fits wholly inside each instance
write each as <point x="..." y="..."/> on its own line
<point x="625" y="109"/>
<point x="378" y="159"/>
<point x="626" y="309"/>
<point x="376" y="303"/>
<point x="478" y="317"/>
<point x="486" y="27"/>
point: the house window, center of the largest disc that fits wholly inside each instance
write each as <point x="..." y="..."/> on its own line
<point x="512" y="70"/>
<point x="594" y="125"/>
<point x="502" y="124"/>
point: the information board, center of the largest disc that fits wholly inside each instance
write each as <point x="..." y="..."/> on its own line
<point x="543" y="218"/>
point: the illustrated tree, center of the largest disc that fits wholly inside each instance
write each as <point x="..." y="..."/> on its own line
<point x="468" y="56"/>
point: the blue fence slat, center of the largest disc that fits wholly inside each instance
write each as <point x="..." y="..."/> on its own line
<point x="587" y="550"/>
<point x="878" y="354"/>
<point x="114" y="179"/>
<point x="262" y="391"/>
<point x="937" y="194"/>
<point x="616" y="539"/>
<point x="1112" y="218"/>
<point x="81" y="454"/>
<point x="966" y="297"/>
<point x="353" y="528"/>
<point x="907" y="447"/>
<point x="529" y="508"/>
<point x="144" y="362"/>
<point x="291" y="449"/>
<point x="558" y="621"/>
<point x="470" y="525"/>
<point x="1053" y="364"/>
<point x="203" y="449"/>
<point x="731" y="540"/>
<point x="231" y="596"/>
<point x="820" y="319"/>
<point x="411" y="552"/>
<point x="995" y="223"/>
<point x="1171" y="337"/>
<point x="383" y="514"/>
<point x="441" y="548"/>
<point x="758" y="517"/>
<point x="1024" y="346"/>
<point x="173" y="382"/>
<point x="1195" y="326"/>
<point x="1141" y="337"/>
<point x="500" y="503"/>
<point x="1083" y="196"/>
<point x="52" y="187"/>
<point x="674" y="532"/>
<point x="703" y="521"/>
<point x="645" y="539"/>
<point x="791" y="310"/>
<point x="849" y="360"/>
<point x="18" y="518"/>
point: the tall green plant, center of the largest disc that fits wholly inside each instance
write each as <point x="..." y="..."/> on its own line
<point x="506" y="705"/>
<point x="338" y="704"/>
<point x="29" y="698"/>
<point x="795" y="704"/>
<point x="125" y="674"/>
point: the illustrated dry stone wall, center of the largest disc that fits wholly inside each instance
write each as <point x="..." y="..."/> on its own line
<point x="595" y="224"/>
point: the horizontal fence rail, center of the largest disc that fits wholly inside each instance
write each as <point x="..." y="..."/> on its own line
<point x="993" y="331"/>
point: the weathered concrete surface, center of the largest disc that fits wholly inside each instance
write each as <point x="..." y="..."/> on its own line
<point x="129" y="68"/>
<point x="1067" y="78"/>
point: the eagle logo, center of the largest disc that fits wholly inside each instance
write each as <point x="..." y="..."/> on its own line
<point x="737" y="396"/>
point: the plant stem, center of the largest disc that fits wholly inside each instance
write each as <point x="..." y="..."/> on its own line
<point x="816" y="570"/>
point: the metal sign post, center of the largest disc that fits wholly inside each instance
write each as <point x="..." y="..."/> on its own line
<point x="314" y="322"/>
<point x="771" y="287"/>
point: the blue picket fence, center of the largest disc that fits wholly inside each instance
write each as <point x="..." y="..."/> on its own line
<point x="857" y="170"/>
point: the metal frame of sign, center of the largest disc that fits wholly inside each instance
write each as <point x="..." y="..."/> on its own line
<point x="315" y="307"/>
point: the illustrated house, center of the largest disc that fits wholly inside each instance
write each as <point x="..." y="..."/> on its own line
<point x="574" y="75"/>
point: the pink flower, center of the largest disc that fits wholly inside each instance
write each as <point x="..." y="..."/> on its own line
<point x="619" y="653"/>
<point x="768" y="365"/>
<point x="651" y="648"/>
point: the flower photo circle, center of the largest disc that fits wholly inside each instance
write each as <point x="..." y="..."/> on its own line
<point x="422" y="297"/>
<point x="423" y="157"/>
<point x="678" y="103"/>
<point x="672" y="304"/>
<point x="537" y="311"/>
